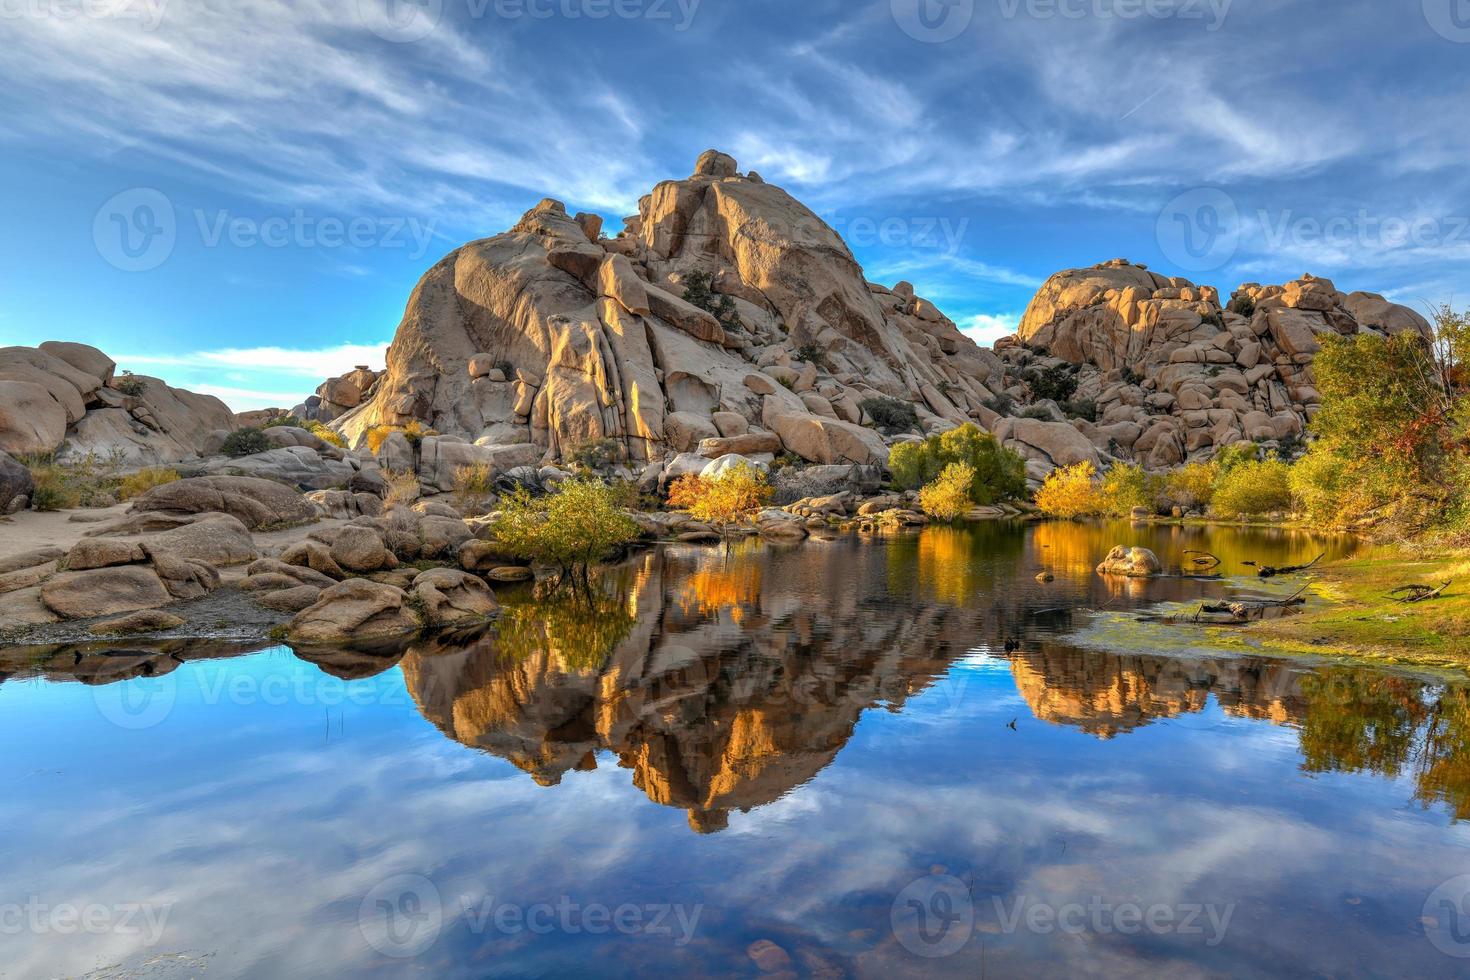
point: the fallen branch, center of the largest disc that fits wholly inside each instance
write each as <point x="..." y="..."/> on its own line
<point x="1420" y="593"/>
<point x="1267" y="571"/>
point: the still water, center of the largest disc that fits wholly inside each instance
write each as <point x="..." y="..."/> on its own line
<point x="842" y="758"/>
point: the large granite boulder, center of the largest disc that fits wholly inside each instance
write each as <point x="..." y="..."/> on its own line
<point x="16" y="484"/>
<point x="256" y="503"/>
<point x="355" y="610"/>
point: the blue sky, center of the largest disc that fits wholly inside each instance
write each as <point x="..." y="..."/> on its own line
<point x="239" y="196"/>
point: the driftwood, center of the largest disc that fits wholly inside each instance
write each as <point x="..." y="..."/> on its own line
<point x="1266" y="571"/>
<point x="1250" y="610"/>
<point x="1420" y="593"/>
<point x="1204" y="560"/>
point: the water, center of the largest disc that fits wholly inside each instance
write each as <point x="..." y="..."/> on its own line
<point x="817" y="760"/>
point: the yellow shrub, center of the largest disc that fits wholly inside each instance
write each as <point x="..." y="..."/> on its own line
<point x="948" y="497"/>
<point x="724" y="499"/>
<point x="326" y="434"/>
<point x="415" y="431"/>
<point x="473" y="486"/>
<point x="1070" y="492"/>
<point x="403" y="487"/>
<point x="139" y="483"/>
<point x="1191" y="486"/>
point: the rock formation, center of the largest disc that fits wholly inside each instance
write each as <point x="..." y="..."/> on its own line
<point x="66" y="399"/>
<point x="544" y="339"/>
<point x="727" y="319"/>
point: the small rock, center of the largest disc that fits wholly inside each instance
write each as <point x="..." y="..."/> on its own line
<point x="145" y="621"/>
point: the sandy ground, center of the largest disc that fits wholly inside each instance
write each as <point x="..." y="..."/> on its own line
<point x="31" y="530"/>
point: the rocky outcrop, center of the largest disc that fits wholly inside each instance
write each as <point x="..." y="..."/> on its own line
<point x="723" y="297"/>
<point x="66" y="399"/>
<point x="1168" y="373"/>
<point x="16" y="485"/>
<point x="256" y="503"/>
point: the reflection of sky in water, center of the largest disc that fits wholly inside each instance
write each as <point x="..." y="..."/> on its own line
<point x="271" y="799"/>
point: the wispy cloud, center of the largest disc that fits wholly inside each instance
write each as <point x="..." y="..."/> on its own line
<point x="320" y="364"/>
<point x="986" y="328"/>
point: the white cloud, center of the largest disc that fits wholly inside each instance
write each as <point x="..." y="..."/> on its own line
<point x="319" y="364"/>
<point x="986" y="328"/>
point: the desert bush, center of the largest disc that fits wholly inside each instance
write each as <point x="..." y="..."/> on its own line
<point x="245" y="442"/>
<point x="1070" y="492"/>
<point x="578" y="525"/>
<point x="90" y="481"/>
<point x="1000" y="474"/>
<point x="1039" y="413"/>
<point x="139" y="483"/>
<point x="890" y="415"/>
<point x="725" y="499"/>
<point x="52" y="491"/>
<point x="403" y="486"/>
<point x="326" y="434"/>
<point x="1258" y="487"/>
<point x="1190" y="486"/>
<point x="1127" y="486"/>
<point x="474" y="486"/>
<point x="128" y="384"/>
<point x="698" y="291"/>
<point x="284" y="421"/>
<point x="810" y="353"/>
<point x="1082" y="408"/>
<point x="947" y="498"/>
<point x="1243" y="305"/>
<point x="596" y="454"/>
<point x="415" y="432"/>
<point x="1001" y="404"/>
<point x="1057" y="383"/>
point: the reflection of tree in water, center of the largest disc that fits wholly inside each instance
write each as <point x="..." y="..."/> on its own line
<point x="1348" y="719"/>
<point x="958" y="565"/>
<point x="579" y="627"/>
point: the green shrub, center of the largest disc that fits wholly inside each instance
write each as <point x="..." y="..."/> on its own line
<point x="1259" y="487"/>
<point x="810" y="353"/>
<point x="128" y="384"/>
<point x="948" y="497"/>
<point x="474" y="485"/>
<point x="1243" y="305"/>
<point x="698" y="291"/>
<point x="287" y="421"/>
<point x="245" y="442"/>
<point x="1000" y="474"/>
<point x="1001" y="404"/>
<point x="1190" y="487"/>
<point x="1084" y="408"/>
<point x="572" y="528"/>
<point x="596" y="454"/>
<point x="1127" y="486"/>
<point x="724" y="499"/>
<point x="1058" y="383"/>
<point x="1038" y="412"/>
<point x="891" y="416"/>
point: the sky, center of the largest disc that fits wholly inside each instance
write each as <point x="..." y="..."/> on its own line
<point x="239" y="195"/>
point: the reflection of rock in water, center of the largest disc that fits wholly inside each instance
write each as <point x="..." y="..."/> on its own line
<point x="724" y="697"/>
<point x="1105" y="694"/>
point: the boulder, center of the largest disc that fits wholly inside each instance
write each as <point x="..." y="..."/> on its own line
<point x="254" y="502"/>
<point x="16" y="484"/>
<point x="300" y="467"/>
<point x="31" y="421"/>
<point x="1130" y="563"/>
<point x="291" y="600"/>
<point x="104" y="592"/>
<point x="827" y="441"/>
<point x="451" y="598"/>
<point x="361" y="550"/>
<point x="355" y="610"/>
<point x="143" y="621"/>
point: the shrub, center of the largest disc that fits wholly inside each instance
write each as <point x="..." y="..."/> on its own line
<point x="724" y="499"/>
<point x="128" y="384"/>
<point x="1058" y="383"/>
<point x="698" y="291"/>
<point x="403" y="486"/>
<point x="596" y="454"/>
<point x="245" y="442"/>
<point x="809" y="352"/>
<point x="1253" y="488"/>
<point x="474" y="485"/>
<point x="891" y="416"/>
<point x="1131" y="377"/>
<point x="1038" y="412"/>
<point x="327" y="435"/>
<point x="1127" y="486"/>
<point x="139" y="483"/>
<point x="52" y="489"/>
<point x="1236" y="455"/>
<point x="1243" y="305"/>
<point x="1190" y="486"/>
<point x="1070" y="492"/>
<point x="1000" y="474"/>
<point x="1084" y="408"/>
<point x="948" y="497"/>
<point x="576" y="526"/>
<point x="280" y="421"/>
<point x="415" y="432"/>
<point x="1001" y="404"/>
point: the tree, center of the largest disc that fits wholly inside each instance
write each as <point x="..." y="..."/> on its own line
<point x="1070" y="492"/>
<point x="1000" y="474"/>
<point x="575" y="527"/>
<point x="948" y="497"/>
<point x="723" y="499"/>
